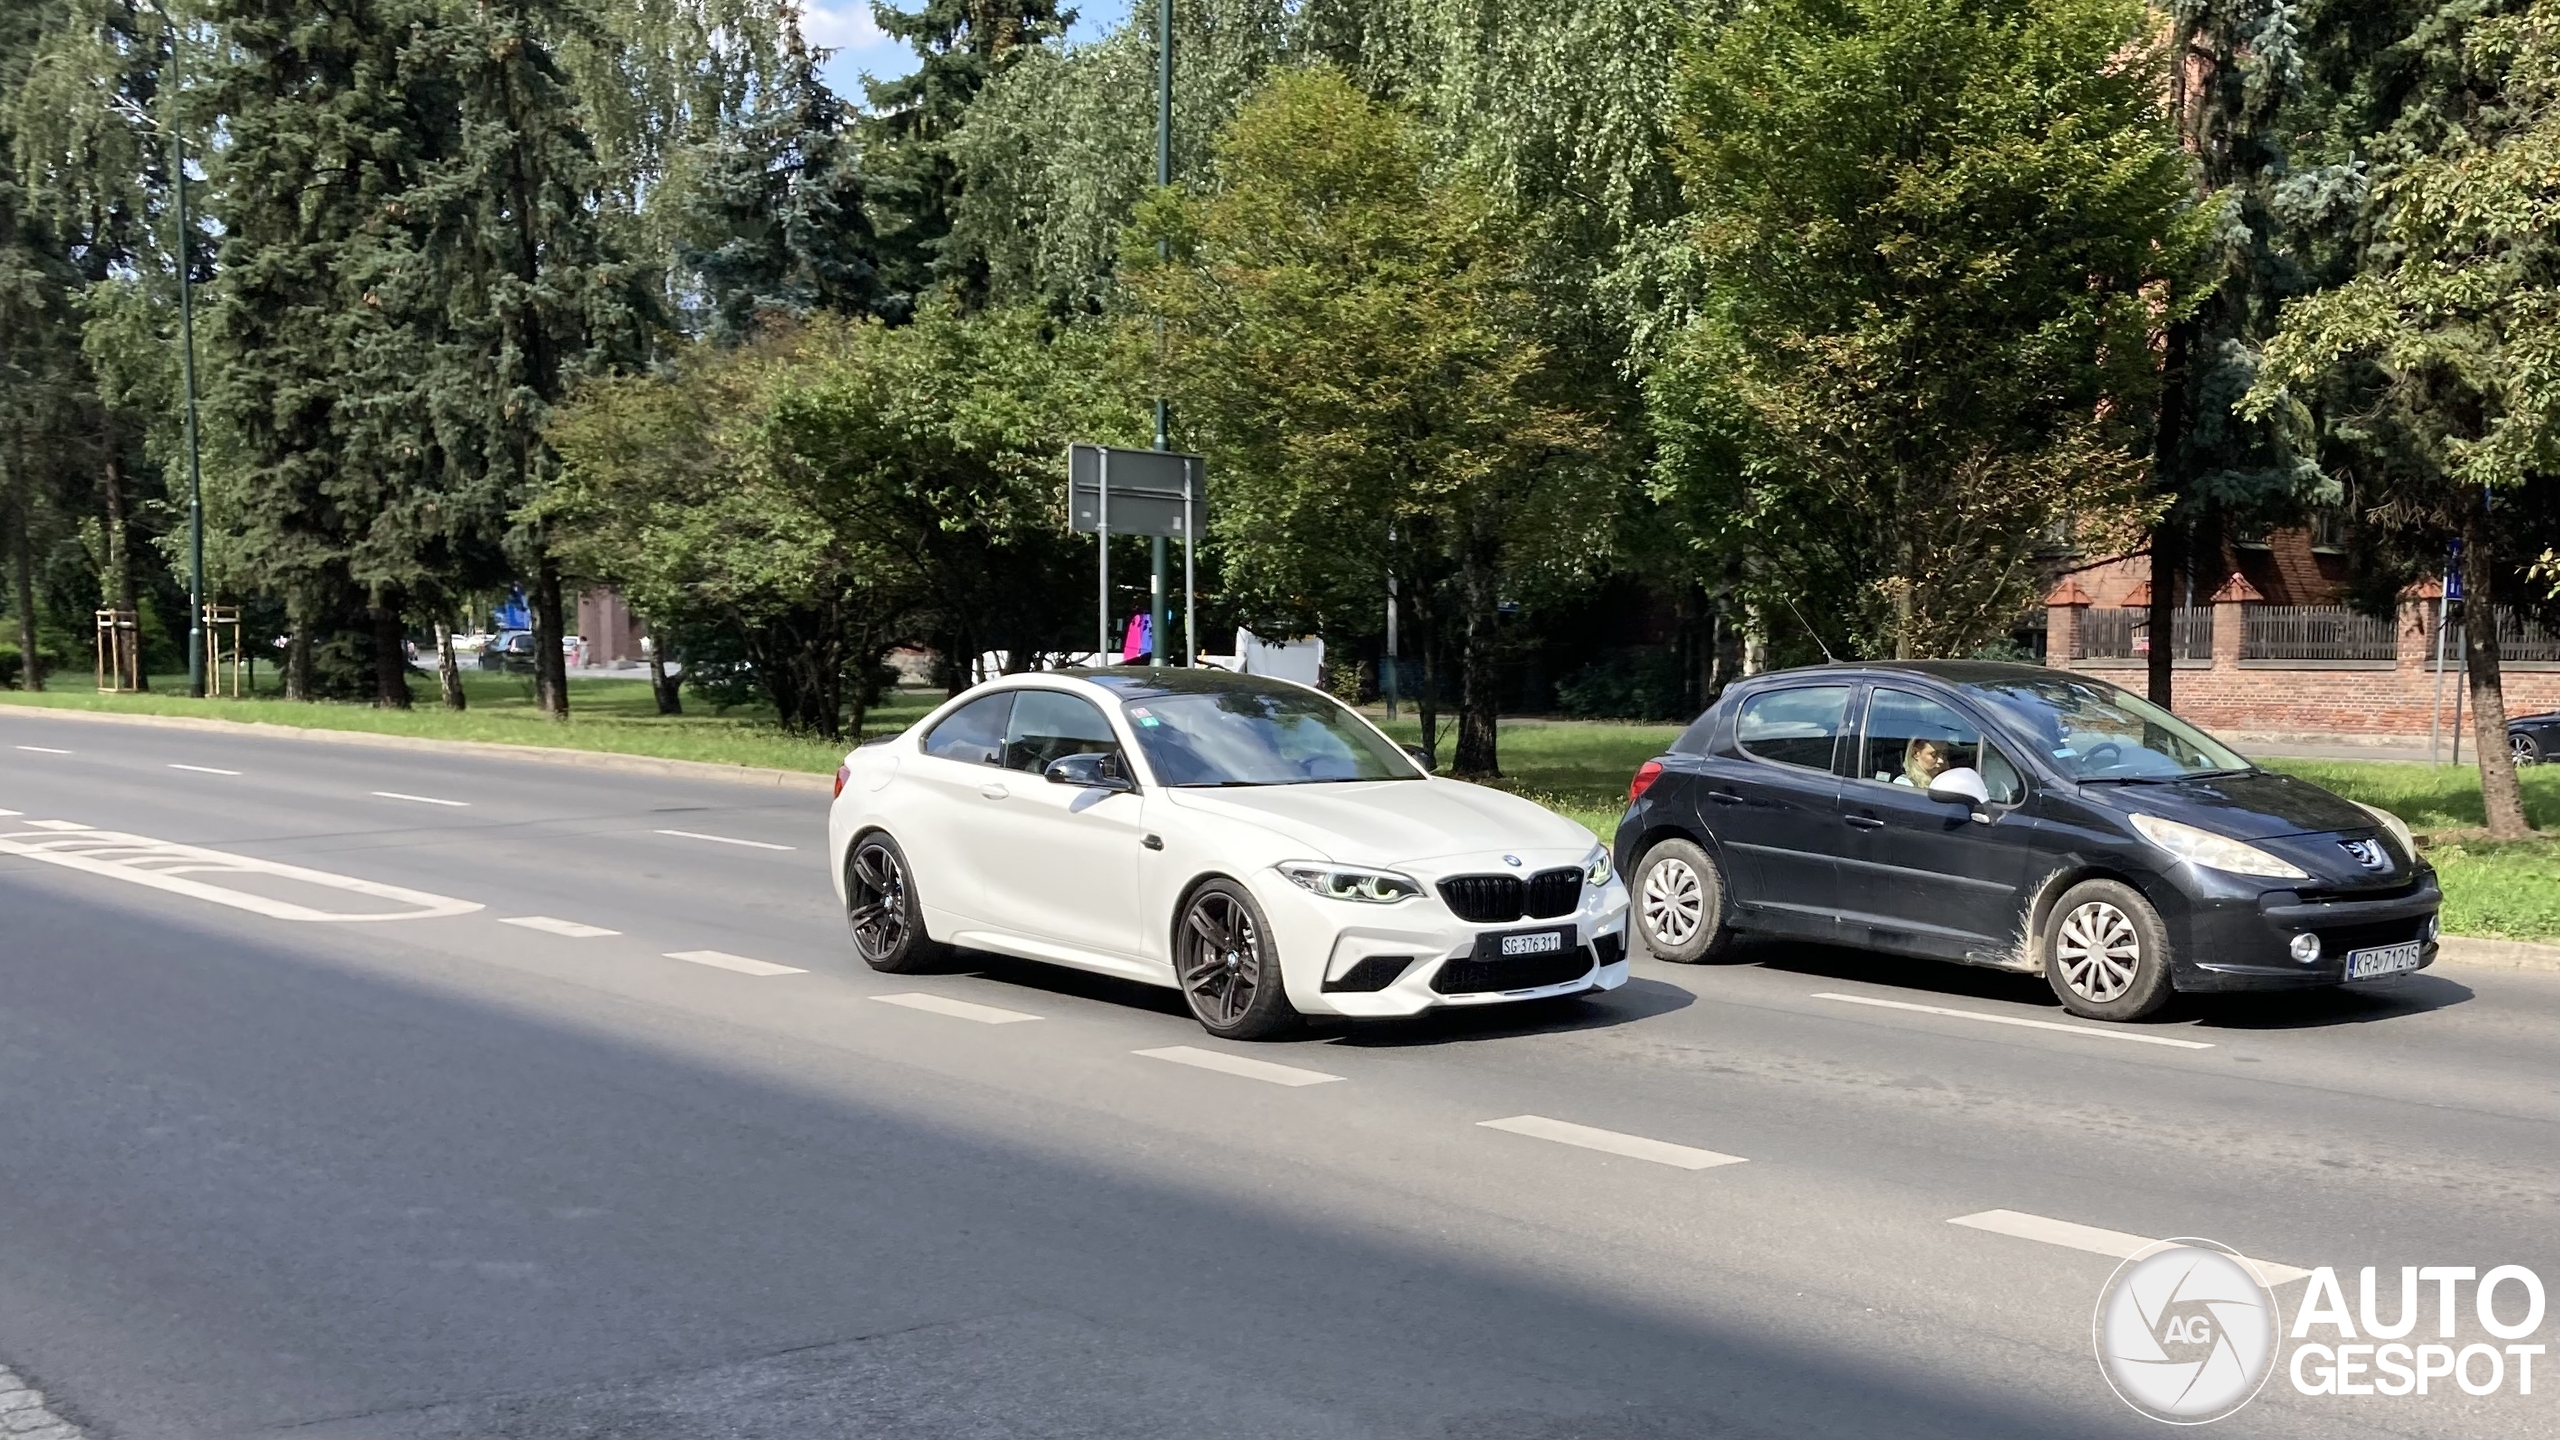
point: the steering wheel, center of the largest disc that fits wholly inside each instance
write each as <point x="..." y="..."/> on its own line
<point x="2106" y="754"/>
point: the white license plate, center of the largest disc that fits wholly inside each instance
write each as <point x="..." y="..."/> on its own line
<point x="1543" y="942"/>
<point x="2382" y="960"/>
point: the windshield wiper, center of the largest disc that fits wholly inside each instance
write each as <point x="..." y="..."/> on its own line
<point x="2165" y="779"/>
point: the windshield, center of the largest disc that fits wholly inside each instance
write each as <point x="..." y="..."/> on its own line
<point x="2094" y="731"/>
<point x="1250" y="737"/>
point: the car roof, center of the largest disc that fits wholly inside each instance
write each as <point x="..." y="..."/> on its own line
<point x="1950" y="672"/>
<point x="1142" y="682"/>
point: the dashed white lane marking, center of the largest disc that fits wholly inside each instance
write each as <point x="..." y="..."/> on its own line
<point x="956" y="1009"/>
<point x="163" y="865"/>
<point x="723" y="960"/>
<point x="43" y="750"/>
<point x="2113" y="1243"/>
<point x="2018" y="1020"/>
<point x="727" y="840"/>
<point x="201" y="769"/>
<point x="1634" y="1147"/>
<point x="1225" y="1064"/>
<point x="422" y="799"/>
<point x="549" y="926"/>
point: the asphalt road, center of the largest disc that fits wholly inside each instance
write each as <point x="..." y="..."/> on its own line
<point x="456" y="1176"/>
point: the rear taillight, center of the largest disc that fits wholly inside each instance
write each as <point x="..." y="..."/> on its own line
<point x="843" y="773"/>
<point x="1646" y="774"/>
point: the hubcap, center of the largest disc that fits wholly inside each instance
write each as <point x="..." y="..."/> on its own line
<point x="1675" y="903"/>
<point x="876" y="902"/>
<point x="2521" y="747"/>
<point x="1221" y="959"/>
<point x="2099" y="951"/>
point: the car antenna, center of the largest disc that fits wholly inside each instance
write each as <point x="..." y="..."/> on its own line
<point x="1827" y="657"/>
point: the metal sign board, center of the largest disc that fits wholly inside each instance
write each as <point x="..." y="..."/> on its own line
<point x="1153" y="492"/>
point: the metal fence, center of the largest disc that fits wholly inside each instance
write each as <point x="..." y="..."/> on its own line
<point x="2316" y="632"/>
<point x="2126" y="634"/>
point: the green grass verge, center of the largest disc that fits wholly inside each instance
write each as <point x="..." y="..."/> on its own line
<point x="1580" y="769"/>
<point x="613" y="715"/>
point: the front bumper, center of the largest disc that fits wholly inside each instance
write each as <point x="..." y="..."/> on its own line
<point x="2240" y="941"/>
<point x="1326" y="944"/>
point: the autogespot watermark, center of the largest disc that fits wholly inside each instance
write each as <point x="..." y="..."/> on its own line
<point x="2188" y="1331"/>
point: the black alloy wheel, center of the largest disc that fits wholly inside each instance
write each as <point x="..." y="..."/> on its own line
<point x="881" y="909"/>
<point x="1229" y="967"/>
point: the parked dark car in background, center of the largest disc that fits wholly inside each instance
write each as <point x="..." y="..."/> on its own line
<point x="2019" y="817"/>
<point x="2534" y="739"/>
<point x="509" y="650"/>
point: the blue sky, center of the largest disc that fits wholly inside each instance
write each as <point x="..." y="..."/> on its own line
<point x="845" y="26"/>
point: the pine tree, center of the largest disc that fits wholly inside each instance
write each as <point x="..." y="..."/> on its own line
<point x="533" y="294"/>
<point x="774" y="220"/>
<point x="961" y="45"/>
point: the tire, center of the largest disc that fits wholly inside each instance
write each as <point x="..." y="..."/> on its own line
<point x="1227" y="964"/>
<point x="2106" y="952"/>
<point x="882" y="910"/>
<point x="2526" y="749"/>
<point x="1679" y="903"/>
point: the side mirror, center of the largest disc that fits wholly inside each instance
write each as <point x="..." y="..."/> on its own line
<point x="1961" y="786"/>
<point x="1420" y="756"/>
<point x="1088" y="772"/>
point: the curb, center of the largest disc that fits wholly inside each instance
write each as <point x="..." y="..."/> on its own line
<point x="2497" y="954"/>
<point x="487" y="749"/>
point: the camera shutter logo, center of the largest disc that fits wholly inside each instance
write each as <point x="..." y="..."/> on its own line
<point x="2186" y="1331"/>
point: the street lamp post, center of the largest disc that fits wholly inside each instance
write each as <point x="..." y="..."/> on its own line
<point x="1164" y="426"/>
<point x="187" y="366"/>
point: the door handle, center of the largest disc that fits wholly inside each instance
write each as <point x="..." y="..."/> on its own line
<point x="1865" y="822"/>
<point x="994" y="790"/>
<point x="1724" y="797"/>
<point x="1153" y="842"/>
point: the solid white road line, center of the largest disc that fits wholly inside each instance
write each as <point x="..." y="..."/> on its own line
<point x="422" y="799"/>
<point x="201" y="769"/>
<point x="549" y="926"/>
<point x="1225" y="1064"/>
<point x="722" y="960"/>
<point x="2113" y="1243"/>
<point x="43" y="750"/>
<point x="727" y="840"/>
<point x="58" y="825"/>
<point x="1634" y="1147"/>
<point x="2018" y="1020"/>
<point x="956" y="1009"/>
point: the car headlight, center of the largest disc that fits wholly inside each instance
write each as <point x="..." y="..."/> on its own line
<point x="2398" y="827"/>
<point x="1596" y="870"/>
<point x="1350" y="882"/>
<point x="2219" y="852"/>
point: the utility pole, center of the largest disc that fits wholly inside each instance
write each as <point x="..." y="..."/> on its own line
<point x="187" y="367"/>
<point x="1158" y="641"/>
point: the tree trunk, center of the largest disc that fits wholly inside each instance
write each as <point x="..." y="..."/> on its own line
<point x="1477" y="677"/>
<point x="23" y="565"/>
<point x="2168" y="439"/>
<point x="1426" y="701"/>
<point x="2500" y="796"/>
<point x="449" y="669"/>
<point x="550" y="629"/>
<point x="2163" y="654"/>
<point x="390" y="660"/>
<point x="667" y="688"/>
<point x="297" y="660"/>
<point x="120" y="560"/>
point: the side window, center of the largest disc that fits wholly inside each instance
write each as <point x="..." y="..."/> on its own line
<point x="974" y="733"/>
<point x="1047" y="725"/>
<point x="1912" y="739"/>
<point x="1793" y="727"/>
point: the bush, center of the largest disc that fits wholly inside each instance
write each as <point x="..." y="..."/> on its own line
<point x="1637" y="683"/>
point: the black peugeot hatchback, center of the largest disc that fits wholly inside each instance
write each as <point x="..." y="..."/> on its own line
<point x="2019" y="817"/>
